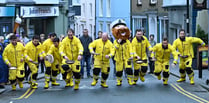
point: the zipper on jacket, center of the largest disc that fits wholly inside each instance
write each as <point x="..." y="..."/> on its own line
<point x="103" y="50"/>
<point x="141" y="50"/>
<point x="122" y="53"/>
<point x="35" y="54"/>
<point x="163" y="55"/>
<point x="15" y="56"/>
<point x="183" y="47"/>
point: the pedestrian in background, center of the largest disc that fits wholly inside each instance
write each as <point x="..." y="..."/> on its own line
<point x="3" y="67"/>
<point x="151" y="63"/>
<point x="85" y="41"/>
<point x="42" y="39"/>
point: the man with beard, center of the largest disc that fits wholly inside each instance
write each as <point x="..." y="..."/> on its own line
<point x="71" y="49"/>
<point x="184" y="46"/>
<point x="161" y="53"/>
<point x="140" y="44"/>
<point x="33" y="50"/>
<point x="13" y="56"/>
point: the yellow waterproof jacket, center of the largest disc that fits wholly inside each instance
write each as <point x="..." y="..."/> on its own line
<point x="122" y="52"/>
<point x="13" y="54"/>
<point x="163" y="55"/>
<point x="55" y="52"/>
<point x="71" y="48"/>
<point x="46" y="45"/>
<point x="185" y="48"/>
<point x="33" y="52"/>
<point x="101" y="48"/>
<point x="139" y="48"/>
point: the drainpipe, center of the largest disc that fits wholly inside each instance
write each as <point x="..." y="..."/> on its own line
<point x="187" y="19"/>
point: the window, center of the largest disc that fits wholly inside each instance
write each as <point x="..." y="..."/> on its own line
<point x="76" y="2"/>
<point x="100" y="26"/>
<point x="108" y="28"/>
<point x="100" y="7"/>
<point x="108" y="8"/>
<point x="91" y="9"/>
<point x="139" y="2"/>
<point x="84" y="10"/>
<point x="153" y="2"/>
<point x="90" y="29"/>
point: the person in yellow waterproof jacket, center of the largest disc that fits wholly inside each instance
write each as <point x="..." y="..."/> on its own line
<point x="140" y="43"/>
<point x="71" y="49"/>
<point x="33" y="50"/>
<point x="161" y="55"/>
<point x="56" y="65"/>
<point x="185" y="52"/>
<point x="46" y="46"/>
<point x="13" y="56"/>
<point x="123" y="56"/>
<point x="102" y="54"/>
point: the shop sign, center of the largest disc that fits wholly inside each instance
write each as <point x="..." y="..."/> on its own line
<point x="7" y="11"/>
<point x="39" y="11"/>
<point x="204" y="57"/>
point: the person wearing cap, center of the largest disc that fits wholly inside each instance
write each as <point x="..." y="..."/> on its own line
<point x="140" y="43"/>
<point x="184" y="46"/>
<point x="33" y="50"/>
<point x="46" y="46"/>
<point x="102" y="54"/>
<point x="56" y="64"/>
<point x="71" y="49"/>
<point x="161" y="55"/>
<point x="13" y="56"/>
<point x="122" y="51"/>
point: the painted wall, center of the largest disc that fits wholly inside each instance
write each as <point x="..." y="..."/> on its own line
<point x="118" y="10"/>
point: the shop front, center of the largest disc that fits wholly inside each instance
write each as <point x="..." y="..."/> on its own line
<point x="38" y="19"/>
<point x="6" y="20"/>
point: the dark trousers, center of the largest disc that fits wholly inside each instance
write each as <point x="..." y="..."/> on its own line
<point x="86" y="58"/>
<point x="151" y="65"/>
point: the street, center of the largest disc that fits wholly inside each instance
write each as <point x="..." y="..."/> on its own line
<point x="150" y="91"/>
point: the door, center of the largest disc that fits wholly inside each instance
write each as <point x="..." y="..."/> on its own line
<point x="5" y="28"/>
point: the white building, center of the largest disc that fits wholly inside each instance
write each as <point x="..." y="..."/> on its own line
<point x="177" y="12"/>
<point x="87" y="18"/>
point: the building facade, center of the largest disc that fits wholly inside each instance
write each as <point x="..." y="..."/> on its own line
<point x="87" y="18"/>
<point x="177" y="12"/>
<point x="109" y="10"/>
<point x="74" y="13"/>
<point x="151" y="17"/>
<point x="39" y="16"/>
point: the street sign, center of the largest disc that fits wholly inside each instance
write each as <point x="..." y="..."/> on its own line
<point x="200" y="4"/>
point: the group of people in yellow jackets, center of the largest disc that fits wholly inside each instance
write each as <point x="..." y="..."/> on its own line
<point x="125" y="54"/>
<point x="16" y="55"/>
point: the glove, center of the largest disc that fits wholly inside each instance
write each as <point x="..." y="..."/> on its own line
<point x="119" y="41"/>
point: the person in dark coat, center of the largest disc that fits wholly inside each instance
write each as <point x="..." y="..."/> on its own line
<point x="86" y="40"/>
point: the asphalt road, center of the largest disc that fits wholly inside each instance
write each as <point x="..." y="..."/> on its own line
<point x="150" y="91"/>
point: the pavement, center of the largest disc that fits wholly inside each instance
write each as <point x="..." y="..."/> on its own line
<point x="198" y="81"/>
